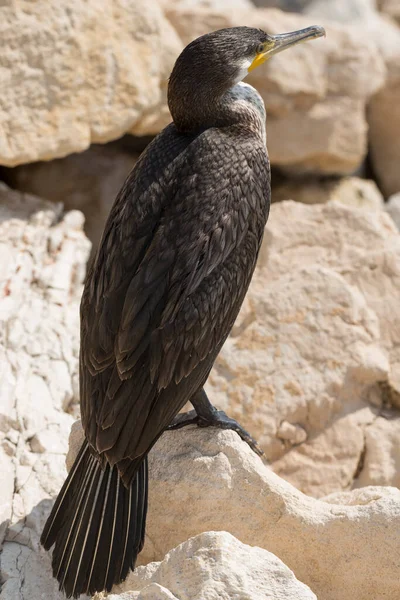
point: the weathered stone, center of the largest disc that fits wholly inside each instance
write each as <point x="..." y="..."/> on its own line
<point x="221" y="5"/>
<point x="343" y="11"/>
<point x="287" y="5"/>
<point x="351" y="191"/>
<point x="384" y="109"/>
<point x="76" y="73"/>
<point x="316" y="94"/>
<point x="214" y="565"/>
<point x="210" y="480"/>
<point x="393" y="208"/>
<point x="88" y="181"/>
<point x="41" y="282"/>
<point x="316" y="339"/>
<point x="7" y="475"/>
<point x="381" y="460"/>
<point x="390" y="8"/>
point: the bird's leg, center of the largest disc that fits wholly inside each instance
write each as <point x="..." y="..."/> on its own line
<point x="206" y="415"/>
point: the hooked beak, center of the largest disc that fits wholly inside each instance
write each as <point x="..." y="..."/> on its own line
<point x="286" y="40"/>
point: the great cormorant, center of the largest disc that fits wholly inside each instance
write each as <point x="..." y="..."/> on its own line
<point x="175" y="261"/>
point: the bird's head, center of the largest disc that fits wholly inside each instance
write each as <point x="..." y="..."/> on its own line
<point x="215" y="62"/>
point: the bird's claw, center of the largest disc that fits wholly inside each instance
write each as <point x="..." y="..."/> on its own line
<point x="218" y="419"/>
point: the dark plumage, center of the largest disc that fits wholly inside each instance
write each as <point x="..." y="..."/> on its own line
<point x="174" y="264"/>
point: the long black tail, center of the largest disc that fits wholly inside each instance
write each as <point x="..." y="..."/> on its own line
<point x="97" y="526"/>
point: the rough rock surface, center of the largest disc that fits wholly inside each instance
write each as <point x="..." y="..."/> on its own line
<point x="352" y="191"/>
<point x="315" y="94"/>
<point x="209" y="480"/>
<point x="381" y="463"/>
<point x="313" y="358"/>
<point x="393" y="208"/>
<point x="224" y="5"/>
<point x="390" y="8"/>
<point x="108" y="76"/>
<point x="384" y="109"/>
<point x="342" y="11"/>
<point x="216" y="566"/>
<point x="287" y="5"/>
<point x="43" y="261"/>
<point x="75" y="73"/>
<point x="88" y="181"/>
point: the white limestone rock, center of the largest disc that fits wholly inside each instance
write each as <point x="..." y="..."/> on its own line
<point x="88" y="181"/>
<point x="103" y="73"/>
<point x="209" y="480"/>
<point x="74" y="73"/>
<point x="390" y="8"/>
<point x="393" y="208"/>
<point x="352" y="191"/>
<point x="381" y="460"/>
<point x="43" y="260"/>
<point x="217" y="566"/>
<point x="384" y="108"/>
<point x="342" y="11"/>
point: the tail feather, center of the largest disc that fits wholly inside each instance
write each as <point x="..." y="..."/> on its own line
<point x="97" y="526"/>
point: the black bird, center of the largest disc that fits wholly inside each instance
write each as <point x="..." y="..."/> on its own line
<point x="175" y="261"/>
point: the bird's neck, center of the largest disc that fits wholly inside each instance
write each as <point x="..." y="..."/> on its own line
<point x="240" y="106"/>
<point x="247" y="108"/>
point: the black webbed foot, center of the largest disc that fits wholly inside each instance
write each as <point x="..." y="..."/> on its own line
<point x="215" y="418"/>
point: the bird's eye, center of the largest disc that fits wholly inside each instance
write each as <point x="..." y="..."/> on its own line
<point x="260" y="48"/>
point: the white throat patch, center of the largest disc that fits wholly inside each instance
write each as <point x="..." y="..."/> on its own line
<point x="243" y="70"/>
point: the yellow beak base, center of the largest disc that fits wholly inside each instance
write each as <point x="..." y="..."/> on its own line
<point x="259" y="60"/>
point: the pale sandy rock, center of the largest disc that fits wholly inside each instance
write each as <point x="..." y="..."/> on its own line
<point x="154" y="591"/>
<point x="353" y="191"/>
<point x="209" y="480"/>
<point x="42" y="269"/>
<point x="310" y="353"/>
<point x="216" y="566"/>
<point x="381" y="461"/>
<point x="384" y="109"/>
<point x="390" y="8"/>
<point x="393" y="208"/>
<point x="7" y="475"/>
<point x="362" y="246"/>
<point x="221" y="5"/>
<point x="74" y="443"/>
<point x="343" y="11"/>
<point x="316" y="347"/>
<point x="292" y="433"/>
<point x="333" y="459"/>
<point x="287" y="5"/>
<point x="109" y="76"/>
<point x="315" y="94"/>
<point x="76" y="73"/>
<point x="88" y="181"/>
